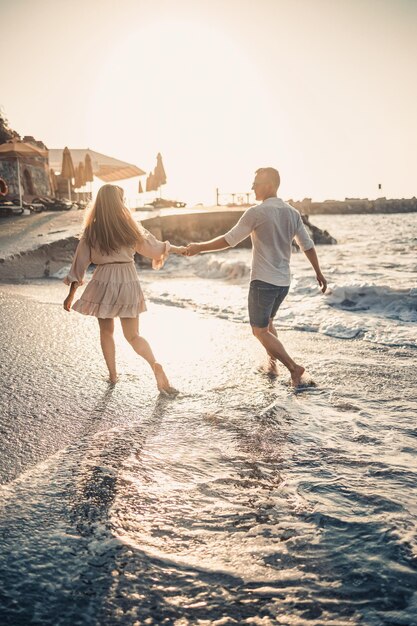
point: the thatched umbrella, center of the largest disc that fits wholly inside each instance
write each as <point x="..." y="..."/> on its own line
<point x="79" y="177"/>
<point x="81" y="174"/>
<point x="53" y="181"/>
<point x="88" y="169"/>
<point x="77" y="181"/>
<point x="150" y="183"/>
<point x="160" y="177"/>
<point x="67" y="168"/>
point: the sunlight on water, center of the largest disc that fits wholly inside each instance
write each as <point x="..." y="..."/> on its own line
<point x="237" y="502"/>
<point x="366" y="299"/>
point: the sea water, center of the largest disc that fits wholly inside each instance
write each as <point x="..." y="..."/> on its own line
<point x="372" y="276"/>
<point x="239" y="501"/>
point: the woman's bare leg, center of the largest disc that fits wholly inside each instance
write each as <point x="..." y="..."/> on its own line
<point x="130" y="326"/>
<point x="108" y="347"/>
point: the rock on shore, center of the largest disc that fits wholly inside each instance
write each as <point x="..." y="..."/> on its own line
<point x="30" y="260"/>
<point x="39" y="263"/>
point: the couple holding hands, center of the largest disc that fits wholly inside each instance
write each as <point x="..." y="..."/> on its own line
<point x="111" y="237"/>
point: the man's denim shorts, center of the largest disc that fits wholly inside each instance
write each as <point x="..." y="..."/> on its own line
<point x="264" y="301"/>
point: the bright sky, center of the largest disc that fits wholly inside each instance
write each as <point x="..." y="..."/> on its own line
<point x="324" y="90"/>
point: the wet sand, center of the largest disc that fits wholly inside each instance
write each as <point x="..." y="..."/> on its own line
<point x="239" y="502"/>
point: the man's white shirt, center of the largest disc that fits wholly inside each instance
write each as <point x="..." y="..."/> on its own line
<point x="272" y="227"/>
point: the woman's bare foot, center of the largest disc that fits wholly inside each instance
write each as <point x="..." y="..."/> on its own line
<point x="296" y="375"/>
<point x="162" y="381"/>
<point x="113" y="379"/>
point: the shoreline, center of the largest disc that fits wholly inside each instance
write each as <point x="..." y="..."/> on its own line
<point x="109" y="489"/>
<point x="26" y="229"/>
<point x="38" y="246"/>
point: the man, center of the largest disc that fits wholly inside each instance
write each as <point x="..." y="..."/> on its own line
<point x="272" y="225"/>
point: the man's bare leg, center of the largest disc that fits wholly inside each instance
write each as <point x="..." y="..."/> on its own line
<point x="275" y="348"/>
<point x="272" y="362"/>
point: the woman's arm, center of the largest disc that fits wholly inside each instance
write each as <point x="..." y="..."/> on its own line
<point x="70" y="297"/>
<point x="75" y="277"/>
<point x="80" y="263"/>
<point x="157" y="250"/>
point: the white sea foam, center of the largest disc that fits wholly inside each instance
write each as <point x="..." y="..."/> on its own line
<point x="62" y="272"/>
<point x="384" y="301"/>
<point x="379" y="314"/>
<point x="372" y="291"/>
<point x="211" y="266"/>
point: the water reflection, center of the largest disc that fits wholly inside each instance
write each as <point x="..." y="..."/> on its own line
<point x="237" y="502"/>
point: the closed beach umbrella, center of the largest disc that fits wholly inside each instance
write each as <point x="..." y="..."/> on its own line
<point x="88" y="169"/>
<point x="159" y="172"/>
<point x="150" y="183"/>
<point x="67" y="169"/>
<point x="81" y="173"/>
<point x="53" y="181"/>
<point x="77" y="182"/>
<point x="79" y="177"/>
<point x="140" y="187"/>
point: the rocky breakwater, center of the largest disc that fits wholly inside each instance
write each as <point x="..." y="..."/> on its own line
<point x="353" y="206"/>
<point x="41" y="262"/>
<point x="181" y="229"/>
<point x="49" y="258"/>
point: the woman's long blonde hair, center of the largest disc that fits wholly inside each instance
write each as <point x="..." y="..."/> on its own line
<point x="108" y="224"/>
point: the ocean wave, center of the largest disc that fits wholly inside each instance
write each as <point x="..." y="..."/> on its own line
<point x="355" y="307"/>
<point x="381" y="300"/>
<point x="208" y="266"/>
<point x="386" y="320"/>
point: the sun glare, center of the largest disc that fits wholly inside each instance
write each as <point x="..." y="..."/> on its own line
<point x="191" y="93"/>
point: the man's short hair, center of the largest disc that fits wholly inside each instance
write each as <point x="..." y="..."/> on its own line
<point x="269" y="174"/>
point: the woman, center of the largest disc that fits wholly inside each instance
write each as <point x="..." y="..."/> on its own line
<point x="110" y="239"/>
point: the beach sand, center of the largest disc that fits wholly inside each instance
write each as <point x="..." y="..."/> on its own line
<point x="241" y="501"/>
<point x="236" y="502"/>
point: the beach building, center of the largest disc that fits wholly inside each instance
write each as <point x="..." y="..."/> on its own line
<point x="25" y="170"/>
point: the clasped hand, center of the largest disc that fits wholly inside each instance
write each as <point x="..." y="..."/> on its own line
<point x="190" y="250"/>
